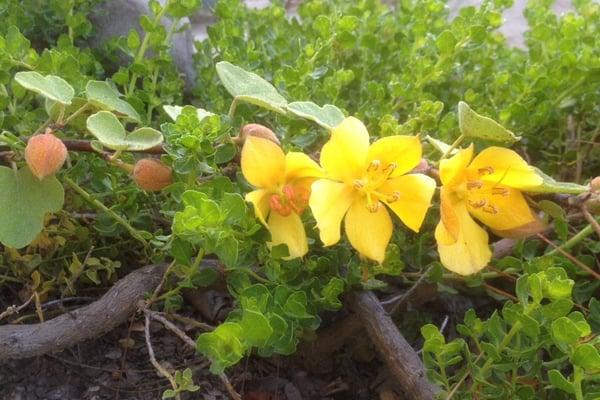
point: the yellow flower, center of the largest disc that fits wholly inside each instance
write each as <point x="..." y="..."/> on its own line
<point x="361" y="178"/>
<point x="487" y="188"/>
<point x="282" y="190"/>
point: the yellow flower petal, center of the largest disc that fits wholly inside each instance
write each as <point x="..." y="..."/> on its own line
<point x="263" y="162"/>
<point x="404" y="151"/>
<point x="344" y="156"/>
<point x="368" y="232"/>
<point x="500" y="165"/>
<point x="448" y="202"/>
<point x="499" y="207"/>
<point x="414" y="198"/>
<point x="470" y="252"/>
<point x="329" y="202"/>
<point x="260" y="200"/>
<point x="299" y="165"/>
<point x="452" y="170"/>
<point x="288" y="230"/>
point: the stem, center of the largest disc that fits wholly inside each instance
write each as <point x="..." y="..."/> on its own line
<point x="574" y="241"/>
<point x="96" y="203"/>
<point x="453" y="146"/>
<point x="42" y="127"/>
<point x="512" y="332"/>
<point x="577" y="378"/>
<point x="232" y="108"/>
<point x="144" y="46"/>
<point x="76" y="113"/>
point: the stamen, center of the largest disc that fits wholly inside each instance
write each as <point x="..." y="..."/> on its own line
<point x="474" y="185"/>
<point x="358" y="184"/>
<point x="500" y="191"/>
<point x="390" y="168"/>
<point x="374" y="206"/>
<point x="485" y="171"/>
<point x="373" y="165"/>
<point x="490" y="209"/>
<point x="279" y="205"/>
<point x="394" y="197"/>
<point x="289" y="192"/>
<point x="477" y="204"/>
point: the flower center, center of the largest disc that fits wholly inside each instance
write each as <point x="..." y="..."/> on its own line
<point x="289" y="199"/>
<point x="376" y="174"/>
<point x="483" y="201"/>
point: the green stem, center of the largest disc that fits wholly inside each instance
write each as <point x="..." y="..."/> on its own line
<point x="255" y="275"/>
<point x="568" y="91"/>
<point x="76" y="113"/>
<point x="144" y="45"/>
<point x="232" y="108"/>
<point x="42" y="127"/>
<point x="96" y="203"/>
<point x="575" y="240"/>
<point x="453" y="146"/>
<point x="512" y="332"/>
<point x="577" y="378"/>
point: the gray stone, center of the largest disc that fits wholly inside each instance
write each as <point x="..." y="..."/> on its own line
<point x="115" y="18"/>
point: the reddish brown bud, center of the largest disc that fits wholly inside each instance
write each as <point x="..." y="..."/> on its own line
<point x="257" y="130"/>
<point x="595" y="184"/>
<point x="422" y="167"/>
<point x="45" y="155"/>
<point x="152" y="175"/>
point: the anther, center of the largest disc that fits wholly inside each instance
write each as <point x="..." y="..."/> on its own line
<point x="474" y="185"/>
<point x="374" y="165"/>
<point x="477" y="204"/>
<point x="390" y="168"/>
<point x="490" y="209"/>
<point x="373" y="207"/>
<point x="394" y="197"/>
<point x="358" y="184"/>
<point x="485" y="171"/>
<point x="500" y="191"/>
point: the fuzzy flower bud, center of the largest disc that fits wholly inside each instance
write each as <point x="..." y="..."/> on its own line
<point x="45" y="155"/>
<point x="257" y="130"/>
<point x="152" y="175"/>
<point x="595" y="184"/>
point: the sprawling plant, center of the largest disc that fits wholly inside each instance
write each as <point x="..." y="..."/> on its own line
<point x="312" y="206"/>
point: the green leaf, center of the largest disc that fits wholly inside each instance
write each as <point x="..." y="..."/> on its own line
<point x="107" y="128"/>
<point x="256" y="327"/>
<point x="174" y="111"/>
<point x="234" y="206"/>
<point x="445" y="42"/>
<point x="250" y="88"/>
<point x="50" y="86"/>
<point x="564" y="331"/>
<point x="225" y="153"/>
<point x="169" y="394"/>
<point x="550" y="185"/>
<point x="586" y="356"/>
<point x="440" y="146"/>
<point x="105" y="97"/>
<point x="327" y="116"/>
<point x="332" y="291"/>
<point x="24" y="201"/>
<point x="295" y="305"/>
<point x="474" y="125"/>
<point x="222" y="346"/>
<point x="560" y="382"/>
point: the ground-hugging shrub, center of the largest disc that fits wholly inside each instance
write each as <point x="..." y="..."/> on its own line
<point x="426" y="87"/>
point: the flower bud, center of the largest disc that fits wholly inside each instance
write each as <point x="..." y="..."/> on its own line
<point x="152" y="175"/>
<point x="257" y="130"/>
<point x="595" y="184"/>
<point x="45" y="155"/>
